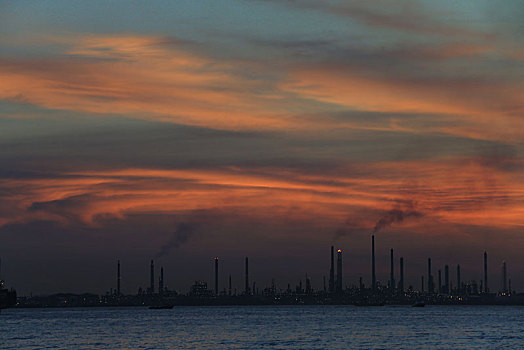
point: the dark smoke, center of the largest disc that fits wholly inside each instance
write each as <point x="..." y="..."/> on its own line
<point x="395" y="216"/>
<point x="349" y="228"/>
<point x="180" y="236"/>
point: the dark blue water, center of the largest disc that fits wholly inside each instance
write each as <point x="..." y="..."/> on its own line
<point x="265" y="327"/>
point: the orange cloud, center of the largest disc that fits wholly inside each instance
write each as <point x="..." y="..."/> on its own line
<point x="456" y="191"/>
<point x="143" y="77"/>
<point x="470" y="107"/>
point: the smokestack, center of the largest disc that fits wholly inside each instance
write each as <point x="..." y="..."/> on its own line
<point x="373" y="277"/>
<point x="332" y="271"/>
<point x="401" y="283"/>
<point x="446" y="279"/>
<point x="229" y="285"/>
<point x="392" y="273"/>
<point x="459" y="285"/>
<point x="339" y="271"/>
<point x="216" y="276"/>
<point x="161" y="281"/>
<point x="152" y="277"/>
<point x="431" y="289"/>
<point x="247" y="276"/>
<point x="504" y="278"/>
<point x="485" y="272"/>
<point x="118" y="278"/>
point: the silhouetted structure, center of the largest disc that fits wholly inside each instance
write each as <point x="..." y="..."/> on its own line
<point x="446" y="279"/>
<point x="247" y="276"/>
<point x="152" y="277"/>
<point x="504" y="278"/>
<point x="373" y="276"/>
<point x="392" y="272"/>
<point x="332" y="271"/>
<point x="486" y="272"/>
<point x="465" y="293"/>
<point x="161" y="281"/>
<point x="459" y="283"/>
<point x="401" y="282"/>
<point x="118" y="278"/>
<point x="431" y="286"/>
<point x="216" y="276"/>
<point x="339" y="271"/>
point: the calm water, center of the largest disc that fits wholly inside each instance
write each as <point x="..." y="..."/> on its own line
<point x="265" y="327"/>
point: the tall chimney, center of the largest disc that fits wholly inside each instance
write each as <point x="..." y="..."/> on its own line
<point x="216" y="276"/>
<point x="152" y="277"/>
<point x="392" y="273"/>
<point x="504" y="278"/>
<point x="459" y="285"/>
<point x="247" y="276"/>
<point x="401" y="283"/>
<point x="161" y="281"/>
<point x="332" y="271"/>
<point x="373" y="277"/>
<point x="230" y="291"/>
<point x="118" y="278"/>
<point x="485" y="272"/>
<point x="446" y="279"/>
<point x="339" y="271"/>
<point x="431" y="289"/>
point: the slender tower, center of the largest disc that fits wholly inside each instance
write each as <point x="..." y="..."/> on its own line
<point x="332" y="271"/>
<point x="430" y="278"/>
<point x="446" y="279"/>
<point x="439" y="281"/>
<point x="504" y="278"/>
<point x="459" y="285"/>
<point x="230" y="291"/>
<point x="118" y="278"/>
<point x="339" y="271"/>
<point x="161" y="281"/>
<point x="247" y="276"/>
<point x="485" y="272"/>
<point x="152" y="275"/>
<point x="216" y="276"/>
<point x="392" y="272"/>
<point x="401" y="282"/>
<point x="373" y="276"/>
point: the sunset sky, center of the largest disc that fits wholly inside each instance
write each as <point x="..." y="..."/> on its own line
<point x="185" y="130"/>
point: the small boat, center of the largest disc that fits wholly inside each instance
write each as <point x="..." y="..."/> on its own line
<point x="161" y="307"/>
<point x="419" y="304"/>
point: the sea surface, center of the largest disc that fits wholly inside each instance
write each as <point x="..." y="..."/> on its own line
<point x="265" y="327"/>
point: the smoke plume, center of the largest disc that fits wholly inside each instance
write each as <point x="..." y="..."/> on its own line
<point x="395" y="216"/>
<point x="180" y="236"/>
